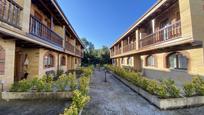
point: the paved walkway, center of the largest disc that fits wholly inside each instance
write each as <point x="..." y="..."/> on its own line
<point x="114" y="98"/>
<point x="35" y="107"/>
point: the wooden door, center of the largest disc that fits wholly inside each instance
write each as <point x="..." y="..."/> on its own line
<point x="19" y="60"/>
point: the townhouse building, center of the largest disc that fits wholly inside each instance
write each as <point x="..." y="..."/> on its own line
<point x="36" y="38"/>
<point x="166" y="42"/>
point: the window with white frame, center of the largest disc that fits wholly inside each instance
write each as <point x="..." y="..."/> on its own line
<point x="150" y="61"/>
<point x="48" y="60"/>
<point x="177" y="61"/>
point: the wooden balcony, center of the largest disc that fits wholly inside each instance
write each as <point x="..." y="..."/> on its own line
<point x="129" y="47"/>
<point x="78" y="52"/>
<point x="168" y="33"/>
<point x="38" y="29"/>
<point x="69" y="47"/>
<point x="118" y="52"/>
<point x="10" y="13"/>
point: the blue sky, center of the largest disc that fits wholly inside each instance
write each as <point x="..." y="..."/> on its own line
<point x="103" y="21"/>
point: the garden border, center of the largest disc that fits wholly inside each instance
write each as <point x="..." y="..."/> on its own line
<point x="164" y="104"/>
<point x="35" y="95"/>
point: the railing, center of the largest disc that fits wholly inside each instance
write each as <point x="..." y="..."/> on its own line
<point x="117" y="52"/>
<point x="69" y="47"/>
<point x="78" y="52"/>
<point x="170" y="32"/>
<point x="129" y="47"/>
<point x="10" y="12"/>
<point x="43" y="32"/>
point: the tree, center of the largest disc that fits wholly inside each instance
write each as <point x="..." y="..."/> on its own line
<point x="94" y="56"/>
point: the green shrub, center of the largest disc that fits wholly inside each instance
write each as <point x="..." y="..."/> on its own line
<point x="21" y="86"/>
<point x="79" y="99"/>
<point x="152" y="85"/>
<point x="165" y="89"/>
<point x="72" y="81"/>
<point x="73" y="110"/>
<point x="189" y="89"/>
<point x="161" y="91"/>
<point x="173" y="91"/>
<point x="59" y="73"/>
<point x="84" y="85"/>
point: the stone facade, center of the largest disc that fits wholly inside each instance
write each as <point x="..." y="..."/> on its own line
<point x="189" y="13"/>
<point x="26" y="42"/>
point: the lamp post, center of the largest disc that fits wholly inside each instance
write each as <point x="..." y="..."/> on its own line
<point x="2" y="85"/>
<point x="105" y="76"/>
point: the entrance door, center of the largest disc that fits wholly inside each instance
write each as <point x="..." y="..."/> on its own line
<point x="19" y="64"/>
<point x="164" y="25"/>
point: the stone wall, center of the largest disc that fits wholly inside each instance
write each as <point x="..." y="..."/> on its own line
<point x="9" y="47"/>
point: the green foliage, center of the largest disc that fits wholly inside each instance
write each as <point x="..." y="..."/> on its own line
<point x="84" y="85"/>
<point x="22" y="86"/>
<point x="60" y="72"/>
<point x="94" y="56"/>
<point x="189" y="89"/>
<point x="166" y="89"/>
<point x="65" y="81"/>
<point x="173" y="91"/>
<point x="196" y="87"/>
<point x="73" y="110"/>
<point x="79" y="99"/>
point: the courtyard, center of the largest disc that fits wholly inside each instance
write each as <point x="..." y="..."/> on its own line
<point x="114" y="98"/>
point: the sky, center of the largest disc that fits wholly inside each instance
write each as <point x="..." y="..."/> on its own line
<point x="103" y="21"/>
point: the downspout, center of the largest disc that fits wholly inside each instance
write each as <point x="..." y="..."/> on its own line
<point x="58" y="62"/>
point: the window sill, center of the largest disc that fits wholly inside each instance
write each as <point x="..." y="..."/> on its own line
<point x="178" y="70"/>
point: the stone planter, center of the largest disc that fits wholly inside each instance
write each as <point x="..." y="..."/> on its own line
<point x="164" y="104"/>
<point x="35" y="95"/>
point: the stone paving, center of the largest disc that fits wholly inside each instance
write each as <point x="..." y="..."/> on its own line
<point x="114" y="98"/>
<point x="35" y="107"/>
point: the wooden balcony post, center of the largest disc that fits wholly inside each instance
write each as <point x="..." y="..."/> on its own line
<point x="64" y="35"/>
<point x="26" y="15"/>
<point x="137" y="41"/>
<point x="122" y="46"/>
<point x="52" y="23"/>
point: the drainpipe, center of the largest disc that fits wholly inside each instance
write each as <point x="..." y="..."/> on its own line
<point x="58" y="62"/>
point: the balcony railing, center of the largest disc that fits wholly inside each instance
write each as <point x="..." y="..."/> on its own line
<point x="129" y="47"/>
<point x="170" y="32"/>
<point x="69" y="47"/>
<point x="78" y="52"/>
<point x="37" y="28"/>
<point x="119" y="51"/>
<point x="10" y="12"/>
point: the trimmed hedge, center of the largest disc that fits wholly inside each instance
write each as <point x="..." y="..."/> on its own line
<point x="162" y="89"/>
<point x="80" y="96"/>
<point x="195" y="88"/>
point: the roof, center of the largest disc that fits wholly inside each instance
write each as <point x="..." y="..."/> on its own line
<point x="141" y="19"/>
<point x="55" y="3"/>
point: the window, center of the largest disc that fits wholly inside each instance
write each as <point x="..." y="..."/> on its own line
<point x="48" y="60"/>
<point x="129" y="61"/>
<point x="177" y="61"/>
<point x="63" y="61"/>
<point x="150" y="61"/>
<point x="76" y="61"/>
<point x="122" y="61"/>
<point x="2" y="61"/>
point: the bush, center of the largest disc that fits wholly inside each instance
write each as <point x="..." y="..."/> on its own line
<point x="189" y="89"/>
<point x="84" y="85"/>
<point x="172" y="90"/>
<point x="165" y="89"/>
<point x="21" y="86"/>
<point x="73" y="110"/>
<point x="79" y="99"/>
